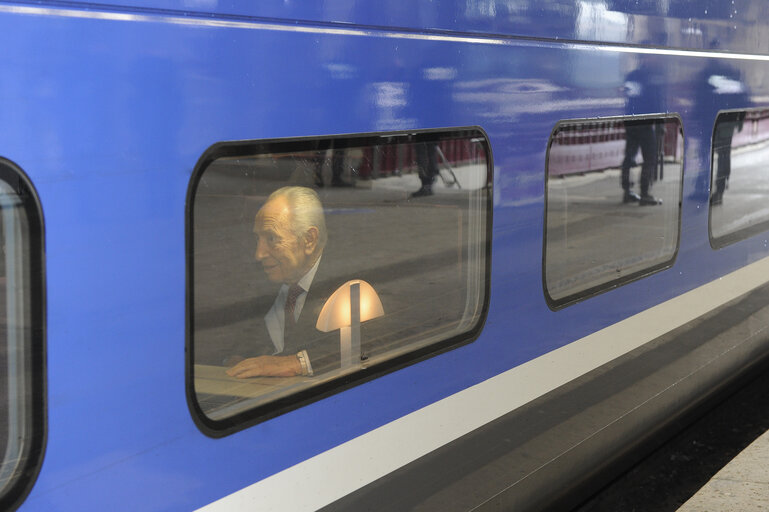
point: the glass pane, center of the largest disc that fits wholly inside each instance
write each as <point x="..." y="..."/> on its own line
<point x="613" y="194"/>
<point x="20" y="332"/>
<point x="739" y="182"/>
<point x="314" y="259"/>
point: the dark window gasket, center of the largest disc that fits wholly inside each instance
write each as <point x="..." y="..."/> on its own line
<point x="744" y="233"/>
<point x="261" y="413"/>
<point x="19" y="487"/>
<point x="557" y="304"/>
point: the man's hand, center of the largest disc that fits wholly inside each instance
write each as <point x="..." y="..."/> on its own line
<point x="266" y="366"/>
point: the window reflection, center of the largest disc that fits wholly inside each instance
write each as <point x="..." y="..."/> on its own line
<point x="21" y="335"/>
<point x="739" y="184"/>
<point x="282" y="231"/>
<point x="599" y="231"/>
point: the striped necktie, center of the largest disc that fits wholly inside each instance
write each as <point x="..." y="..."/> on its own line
<point x="294" y="291"/>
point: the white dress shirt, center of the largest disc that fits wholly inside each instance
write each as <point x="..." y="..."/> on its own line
<point x="276" y="316"/>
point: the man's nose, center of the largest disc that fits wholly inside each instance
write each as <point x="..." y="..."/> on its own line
<point x="261" y="251"/>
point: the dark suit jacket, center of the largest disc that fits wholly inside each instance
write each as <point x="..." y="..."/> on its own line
<point x="240" y="330"/>
<point x="322" y="348"/>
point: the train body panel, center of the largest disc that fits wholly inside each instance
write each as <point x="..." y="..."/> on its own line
<point x="107" y="109"/>
<point x="676" y="24"/>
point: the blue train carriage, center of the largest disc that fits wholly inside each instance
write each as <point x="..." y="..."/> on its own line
<point x="395" y="256"/>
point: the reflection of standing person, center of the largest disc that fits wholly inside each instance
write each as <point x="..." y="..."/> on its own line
<point x="718" y="87"/>
<point x="428" y="167"/>
<point x="291" y="235"/>
<point x="722" y="146"/>
<point x="431" y="100"/>
<point x="644" y="93"/>
<point x="639" y="135"/>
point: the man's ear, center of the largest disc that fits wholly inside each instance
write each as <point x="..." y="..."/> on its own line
<point x="311" y="237"/>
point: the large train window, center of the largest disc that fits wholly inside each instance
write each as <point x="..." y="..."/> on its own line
<point x="612" y="203"/>
<point x="316" y="263"/>
<point x="739" y="152"/>
<point x="22" y="432"/>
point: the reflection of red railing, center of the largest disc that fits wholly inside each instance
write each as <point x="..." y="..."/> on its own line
<point x="755" y="129"/>
<point x="597" y="146"/>
<point x="386" y="160"/>
<point x="589" y="133"/>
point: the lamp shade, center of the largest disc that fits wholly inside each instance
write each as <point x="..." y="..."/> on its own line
<point x="336" y="311"/>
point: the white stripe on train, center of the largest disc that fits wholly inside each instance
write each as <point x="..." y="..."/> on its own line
<point x="341" y="470"/>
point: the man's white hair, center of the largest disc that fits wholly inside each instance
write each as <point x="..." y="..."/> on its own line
<point x="306" y="210"/>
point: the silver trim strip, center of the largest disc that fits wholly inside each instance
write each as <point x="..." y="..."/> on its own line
<point x="258" y="25"/>
<point x="350" y="31"/>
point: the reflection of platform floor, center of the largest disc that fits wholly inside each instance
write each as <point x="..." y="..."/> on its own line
<point x="592" y="237"/>
<point x="469" y="177"/>
<point x="746" y="200"/>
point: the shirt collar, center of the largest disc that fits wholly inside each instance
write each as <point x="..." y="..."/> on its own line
<point x="306" y="281"/>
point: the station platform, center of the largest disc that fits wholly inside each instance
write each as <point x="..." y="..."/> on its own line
<point x="742" y="485"/>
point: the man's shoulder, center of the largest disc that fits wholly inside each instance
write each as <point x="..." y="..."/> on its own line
<point x="323" y="286"/>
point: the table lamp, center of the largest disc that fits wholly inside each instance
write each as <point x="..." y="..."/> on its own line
<point x="352" y="303"/>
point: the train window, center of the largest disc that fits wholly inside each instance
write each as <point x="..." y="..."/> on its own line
<point x="612" y="203"/>
<point x="316" y="263"/>
<point x="739" y="152"/>
<point x="21" y="336"/>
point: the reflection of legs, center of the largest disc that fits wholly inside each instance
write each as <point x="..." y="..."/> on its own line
<point x="723" y="170"/>
<point x="648" y="145"/>
<point x="319" y="161"/>
<point x="639" y="135"/>
<point x="659" y="138"/>
<point x="428" y="168"/>
<point x="631" y="148"/>
<point x="337" y="166"/>
<point x="722" y="143"/>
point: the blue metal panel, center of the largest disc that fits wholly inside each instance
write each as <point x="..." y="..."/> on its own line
<point x="108" y="117"/>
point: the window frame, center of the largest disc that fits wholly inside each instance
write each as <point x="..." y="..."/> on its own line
<point x="744" y="233"/>
<point x="36" y="434"/>
<point x="260" y="413"/>
<point x="558" y="304"/>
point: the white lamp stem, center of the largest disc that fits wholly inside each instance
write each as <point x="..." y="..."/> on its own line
<point x="345" y="346"/>
<point x="355" y="323"/>
<point x="349" y="337"/>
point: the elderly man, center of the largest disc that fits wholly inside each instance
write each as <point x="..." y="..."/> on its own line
<point x="290" y="231"/>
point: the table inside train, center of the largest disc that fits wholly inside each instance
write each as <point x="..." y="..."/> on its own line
<point x="214" y="380"/>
